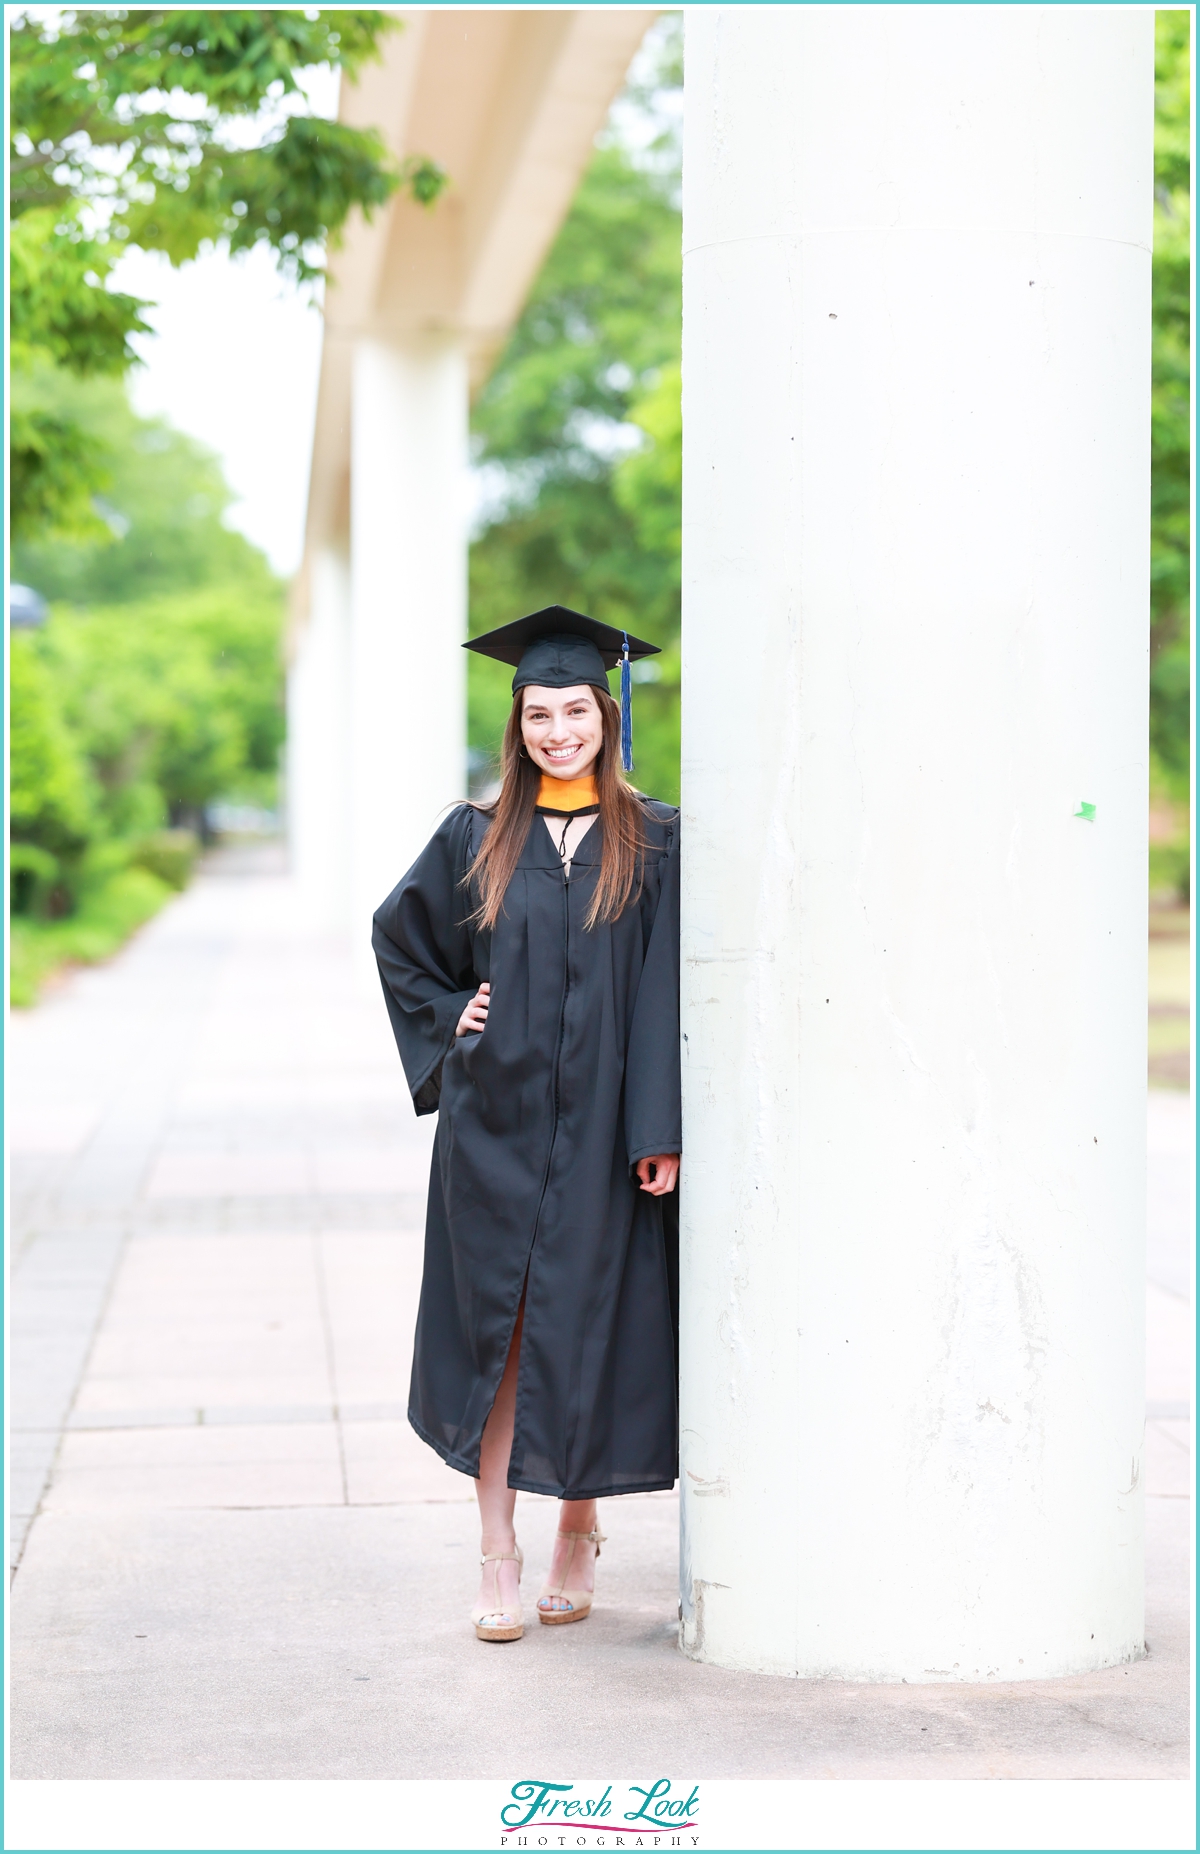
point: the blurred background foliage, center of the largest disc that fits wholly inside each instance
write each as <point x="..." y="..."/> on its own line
<point x="155" y="686"/>
<point x="577" y="432"/>
<point x="1171" y="430"/>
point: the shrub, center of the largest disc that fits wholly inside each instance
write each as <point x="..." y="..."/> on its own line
<point x="168" y="854"/>
<point x="103" y="922"/>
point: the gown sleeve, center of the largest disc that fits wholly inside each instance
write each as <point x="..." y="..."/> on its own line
<point x="424" y="951"/>
<point x="653" y="1115"/>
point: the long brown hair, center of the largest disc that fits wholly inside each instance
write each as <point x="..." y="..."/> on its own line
<point x="622" y="821"/>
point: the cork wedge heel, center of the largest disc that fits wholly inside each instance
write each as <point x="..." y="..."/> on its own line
<point x="500" y="1624"/>
<point x="580" y="1601"/>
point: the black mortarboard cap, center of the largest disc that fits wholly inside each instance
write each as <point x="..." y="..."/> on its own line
<point x="556" y="648"/>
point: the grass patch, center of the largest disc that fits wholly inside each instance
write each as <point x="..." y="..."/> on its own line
<point x="102" y="924"/>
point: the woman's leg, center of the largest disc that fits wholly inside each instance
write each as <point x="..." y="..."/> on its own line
<point x="496" y="1498"/>
<point x="573" y="1516"/>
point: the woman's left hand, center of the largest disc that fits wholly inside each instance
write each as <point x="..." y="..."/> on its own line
<point x="659" y="1174"/>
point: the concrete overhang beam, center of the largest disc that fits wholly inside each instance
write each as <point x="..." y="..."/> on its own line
<point x="508" y="102"/>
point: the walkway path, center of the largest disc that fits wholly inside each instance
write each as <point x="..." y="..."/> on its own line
<point x="235" y="1559"/>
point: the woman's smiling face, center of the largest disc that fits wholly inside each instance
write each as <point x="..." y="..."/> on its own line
<point x="562" y="730"/>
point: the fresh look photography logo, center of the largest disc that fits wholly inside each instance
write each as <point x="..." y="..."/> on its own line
<point x="661" y="1814"/>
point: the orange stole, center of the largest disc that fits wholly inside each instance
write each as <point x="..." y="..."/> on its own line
<point x="567" y="794"/>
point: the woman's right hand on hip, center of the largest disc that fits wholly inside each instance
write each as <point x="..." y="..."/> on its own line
<point x="475" y="1015"/>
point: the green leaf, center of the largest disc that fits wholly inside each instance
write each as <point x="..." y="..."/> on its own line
<point x="61" y="308"/>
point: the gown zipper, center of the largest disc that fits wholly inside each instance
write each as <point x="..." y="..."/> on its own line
<point x="562" y="1031"/>
<point x="562" y="1028"/>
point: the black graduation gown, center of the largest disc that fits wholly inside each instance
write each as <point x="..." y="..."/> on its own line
<point x="542" y="1117"/>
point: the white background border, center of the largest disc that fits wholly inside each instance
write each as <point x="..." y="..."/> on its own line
<point x="464" y="1815"/>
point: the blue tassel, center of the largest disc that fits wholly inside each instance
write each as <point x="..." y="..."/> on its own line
<point x="626" y="710"/>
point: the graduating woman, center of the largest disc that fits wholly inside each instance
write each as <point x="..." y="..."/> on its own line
<point x="530" y="963"/>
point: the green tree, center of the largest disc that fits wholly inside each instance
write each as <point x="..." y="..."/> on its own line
<point x="131" y="717"/>
<point x="585" y="379"/>
<point x="649" y="482"/>
<point x="1170" y="672"/>
<point x="165" y="129"/>
<point x="155" y="686"/>
<point x="51" y="801"/>
<point x="171" y="699"/>
<point x="160" y="524"/>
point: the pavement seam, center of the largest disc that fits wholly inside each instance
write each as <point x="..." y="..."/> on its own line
<point x="85" y="1361"/>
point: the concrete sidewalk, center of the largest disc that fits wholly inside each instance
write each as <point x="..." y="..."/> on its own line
<point x="234" y="1557"/>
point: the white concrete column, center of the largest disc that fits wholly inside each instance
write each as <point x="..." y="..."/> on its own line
<point x="318" y="749"/>
<point x="408" y="567"/>
<point x="916" y="366"/>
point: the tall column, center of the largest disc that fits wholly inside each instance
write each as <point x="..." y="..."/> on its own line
<point x="318" y="749"/>
<point x="916" y="366"/>
<point x="408" y="568"/>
